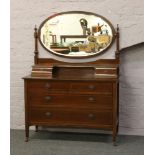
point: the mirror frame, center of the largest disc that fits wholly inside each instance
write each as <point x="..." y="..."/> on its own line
<point x="77" y="12"/>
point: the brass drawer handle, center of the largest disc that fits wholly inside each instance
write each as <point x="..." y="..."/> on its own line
<point x="47" y="98"/>
<point x="91" y="99"/>
<point x="92" y="87"/>
<point x="48" y="114"/>
<point x="47" y="85"/>
<point x="91" y="116"/>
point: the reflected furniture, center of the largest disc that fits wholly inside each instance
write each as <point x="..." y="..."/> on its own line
<point x="63" y="37"/>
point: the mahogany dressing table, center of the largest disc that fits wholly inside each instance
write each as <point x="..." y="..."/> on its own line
<point x="74" y="95"/>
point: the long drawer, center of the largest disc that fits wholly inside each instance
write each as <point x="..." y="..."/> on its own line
<point x="70" y="100"/>
<point x="70" y="117"/>
<point x="73" y="87"/>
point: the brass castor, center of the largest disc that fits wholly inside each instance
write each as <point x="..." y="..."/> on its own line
<point x="114" y="143"/>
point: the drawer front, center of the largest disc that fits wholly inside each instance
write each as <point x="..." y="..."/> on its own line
<point x="70" y="100"/>
<point x="72" y="87"/>
<point x="48" y="85"/>
<point x="100" y="87"/>
<point x="70" y="117"/>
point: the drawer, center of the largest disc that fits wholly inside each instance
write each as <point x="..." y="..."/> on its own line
<point x="92" y="87"/>
<point x="48" y="85"/>
<point x="70" y="117"/>
<point x="70" y="100"/>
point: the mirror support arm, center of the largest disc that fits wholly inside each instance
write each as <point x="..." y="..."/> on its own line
<point x="36" y="45"/>
<point x="117" y="43"/>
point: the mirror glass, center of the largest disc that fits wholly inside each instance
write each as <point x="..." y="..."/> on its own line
<point x="76" y="34"/>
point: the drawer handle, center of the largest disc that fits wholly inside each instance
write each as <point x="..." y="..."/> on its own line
<point x="91" y="116"/>
<point x="47" y="98"/>
<point x="91" y="99"/>
<point x="48" y="114"/>
<point x="92" y="87"/>
<point x="47" y="85"/>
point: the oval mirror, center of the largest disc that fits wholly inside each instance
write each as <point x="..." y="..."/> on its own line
<point x="76" y="34"/>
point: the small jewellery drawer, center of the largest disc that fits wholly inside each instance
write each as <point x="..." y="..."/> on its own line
<point x="103" y="87"/>
<point x="48" y="85"/>
<point x="70" y="117"/>
<point x="70" y="100"/>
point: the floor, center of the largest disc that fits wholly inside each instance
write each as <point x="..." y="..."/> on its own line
<point x="62" y="143"/>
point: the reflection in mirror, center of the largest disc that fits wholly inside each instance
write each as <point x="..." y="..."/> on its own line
<point x="76" y="34"/>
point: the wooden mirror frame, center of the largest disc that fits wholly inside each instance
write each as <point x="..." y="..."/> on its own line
<point x="77" y="12"/>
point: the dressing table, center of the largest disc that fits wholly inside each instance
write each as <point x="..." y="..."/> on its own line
<point x="74" y="95"/>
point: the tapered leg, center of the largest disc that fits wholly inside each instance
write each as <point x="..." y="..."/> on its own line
<point x="36" y="128"/>
<point x="26" y="133"/>
<point x="114" y="136"/>
<point x="114" y="141"/>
